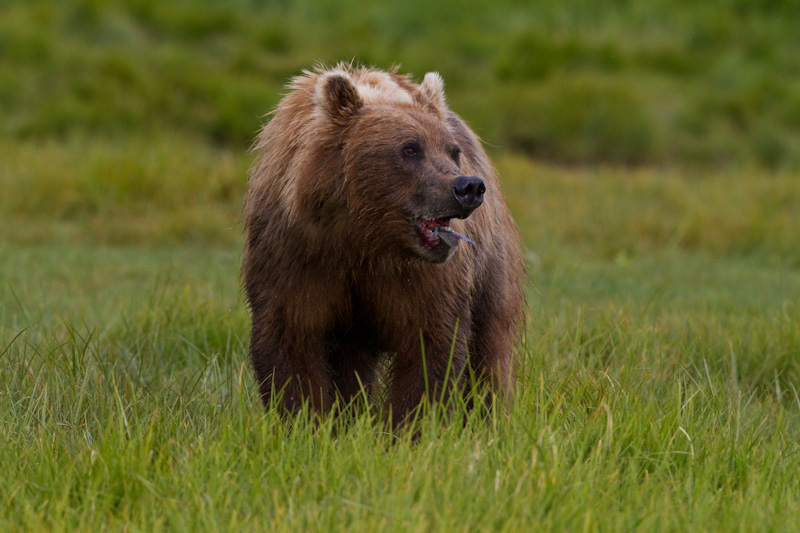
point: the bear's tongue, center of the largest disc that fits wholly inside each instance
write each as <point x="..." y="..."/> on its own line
<point x="435" y="230"/>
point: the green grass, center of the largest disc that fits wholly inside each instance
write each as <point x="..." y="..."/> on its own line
<point x="638" y="406"/>
<point x="155" y="189"/>
<point x="658" y="383"/>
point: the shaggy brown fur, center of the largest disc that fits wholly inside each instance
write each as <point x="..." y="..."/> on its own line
<point x="351" y="253"/>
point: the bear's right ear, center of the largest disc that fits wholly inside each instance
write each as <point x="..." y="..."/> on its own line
<point x="432" y="93"/>
<point x="336" y="94"/>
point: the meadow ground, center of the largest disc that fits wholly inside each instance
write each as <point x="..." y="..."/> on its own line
<point x="657" y="389"/>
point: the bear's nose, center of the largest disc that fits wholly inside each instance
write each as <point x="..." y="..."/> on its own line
<point x="468" y="191"/>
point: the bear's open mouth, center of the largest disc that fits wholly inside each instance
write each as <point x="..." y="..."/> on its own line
<point x="433" y="232"/>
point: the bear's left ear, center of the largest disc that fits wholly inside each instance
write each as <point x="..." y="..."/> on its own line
<point x="337" y="96"/>
<point x="432" y="93"/>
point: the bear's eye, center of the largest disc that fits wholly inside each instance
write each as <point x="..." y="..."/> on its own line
<point x="456" y="155"/>
<point x="411" y="150"/>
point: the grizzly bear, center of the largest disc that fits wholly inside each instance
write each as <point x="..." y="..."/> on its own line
<point x="365" y="186"/>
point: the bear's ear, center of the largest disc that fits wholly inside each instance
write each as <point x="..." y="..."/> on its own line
<point x="432" y="93"/>
<point x="336" y="94"/>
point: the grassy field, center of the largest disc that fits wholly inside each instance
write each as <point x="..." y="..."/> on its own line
<point x="649" y="157"/>
<point x="657" y="386"/>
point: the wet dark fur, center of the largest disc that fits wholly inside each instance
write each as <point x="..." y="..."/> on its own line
<point x="333" y="271"/>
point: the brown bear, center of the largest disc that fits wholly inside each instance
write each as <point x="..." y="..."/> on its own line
<point x="365" y="186"/>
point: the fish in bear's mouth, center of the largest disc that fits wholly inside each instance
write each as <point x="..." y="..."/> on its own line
<point x="433" y="231"/>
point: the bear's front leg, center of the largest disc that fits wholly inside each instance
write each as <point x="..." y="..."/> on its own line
<point x="290" y="367"/>
<point x="429" y="365"/>
<point x="496" y="321"/>
<point x="292" y="317"/>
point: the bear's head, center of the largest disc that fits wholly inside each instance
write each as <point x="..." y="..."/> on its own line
<point x="404" y="176"/>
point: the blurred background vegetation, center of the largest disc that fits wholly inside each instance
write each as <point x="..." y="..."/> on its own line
<point x="585" y="81"/>
<point x="617" y="126"/>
